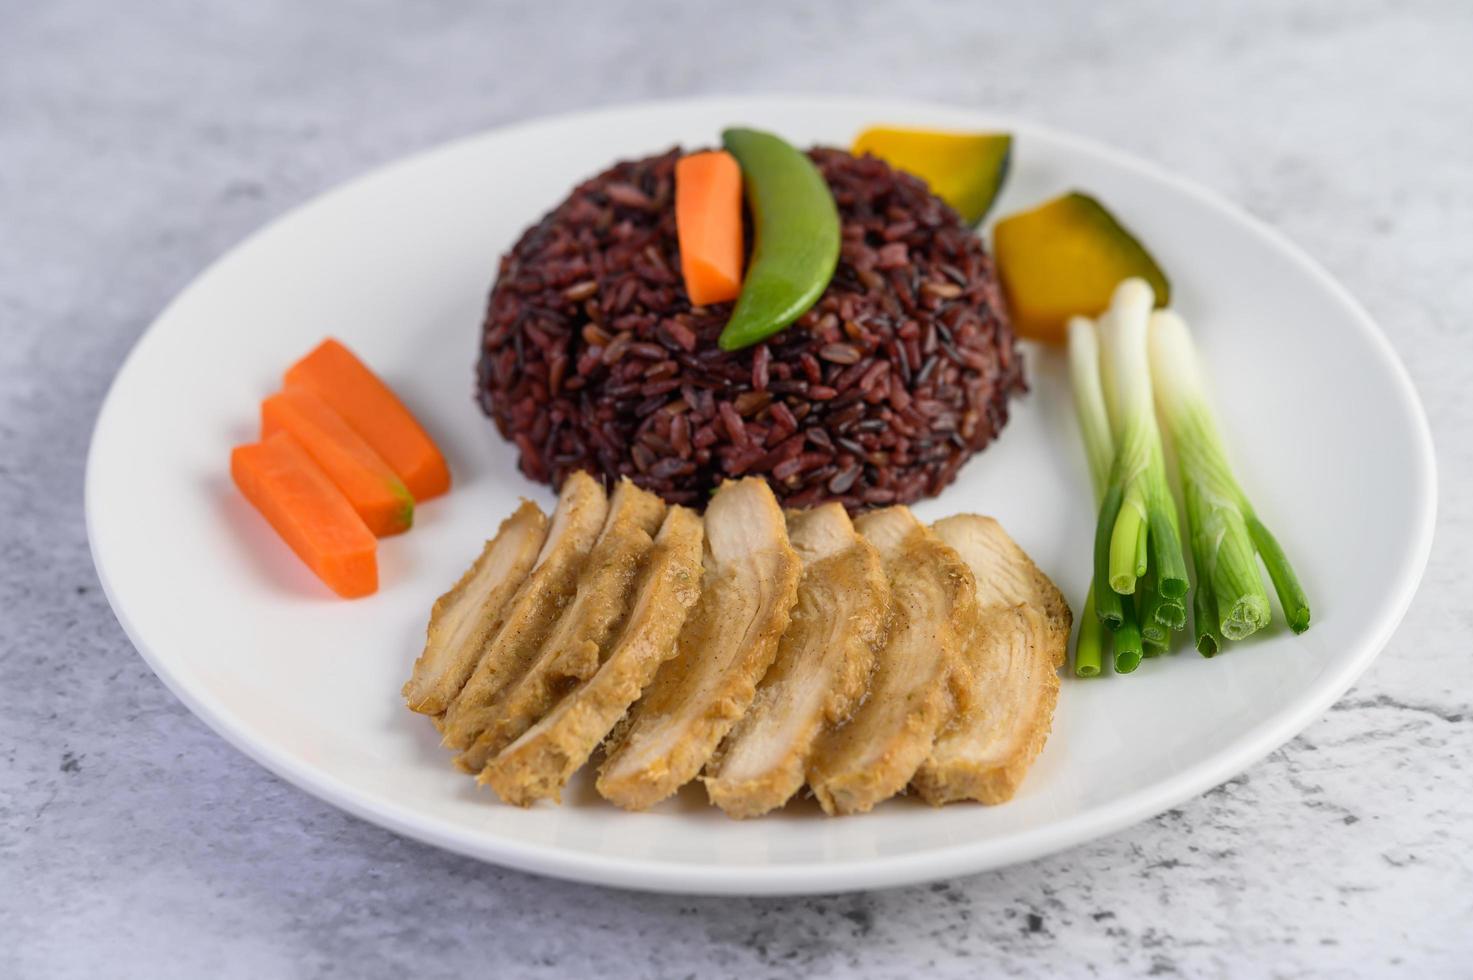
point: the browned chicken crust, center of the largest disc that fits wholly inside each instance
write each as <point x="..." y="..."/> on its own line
<point x="861" y="657"/>
<point x="933" y="603"/>
<point x="467" y="616"/>
<point x="533" y="611"/>
<point x="538" y="765"/>
<point x="573" y="650"/>
<point x="1003" y="717"/>
<point x="823" y="663"/>
<point x="727" y="644"/>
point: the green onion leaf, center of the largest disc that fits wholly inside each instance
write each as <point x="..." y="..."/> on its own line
<point x="1099" y="450"/>
<point x="1226" y="537"/>
<point x="1291" y="595"/>
<point x="1151" y="648"/>
<point x="1160" y="615"/>
<point x="1145" y="530"/>
<point x="1089" y="650"/>
<point x="1128" y="649"/>
<point x="1108" y="605"/>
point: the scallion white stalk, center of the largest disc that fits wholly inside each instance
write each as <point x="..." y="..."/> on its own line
<point x="1089" y="401"/>
<point x="1226" y="535"/>
<point x="1099" y="451"/>
<point x="1138" y="523"/>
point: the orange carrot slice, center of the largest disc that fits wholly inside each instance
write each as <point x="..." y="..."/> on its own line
<point x="374" y="490"/>
<point x="708" y="222"/>
<point x="334" y="374"/>
<point x="311" y="515"/>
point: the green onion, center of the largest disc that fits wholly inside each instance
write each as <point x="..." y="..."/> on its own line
<point x="1158" y="613"/>
<point x="1204" y="612"/>
<point x="1089" y="402"/>
<point x="1226" y="536"/>
<point x="1108" y="605"/>
<point x="1099" y="449"/>
<point x="1140" y="575"/>
<point x="1144" y="529"/>
<point x="1286" y="583"/>
<point x="1128" y="644"/>
<point x="1089" y="649"/>
<point x="1153" y="649"/>
<point x="1172" y="613"/>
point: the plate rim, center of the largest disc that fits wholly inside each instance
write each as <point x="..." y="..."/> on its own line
<point x="945" y="861"/>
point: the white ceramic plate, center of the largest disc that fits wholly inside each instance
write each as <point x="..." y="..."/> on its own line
<point x="398" y="265"/>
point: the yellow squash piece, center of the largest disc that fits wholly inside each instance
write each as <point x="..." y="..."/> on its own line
<point x="966" y="170"/>
<point x="1065" y="258"/>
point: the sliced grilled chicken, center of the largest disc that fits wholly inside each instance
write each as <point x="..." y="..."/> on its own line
<point x="823" y="662"/>
<point x="470" y="613"/>
<point x="538" y="765"/>
<point x="572" y="651"/>
<point x="534" y="610"/>
<point x="1003" y="716"/>
<point x="932" y="608"/>
<point x="727" y="644"/>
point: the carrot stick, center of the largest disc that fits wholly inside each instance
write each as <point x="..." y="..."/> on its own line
<point x="708" y="222"/>
<point x="311" y="515"/>
<point x="335" y="375"/>
<point x="374" y="490"/>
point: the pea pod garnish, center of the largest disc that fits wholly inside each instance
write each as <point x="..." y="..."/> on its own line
<point x="795" y="237"/>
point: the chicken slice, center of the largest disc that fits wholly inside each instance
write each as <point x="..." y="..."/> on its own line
<point x="571" y="652"/>
<point x="534" y="610"/>
<point x="538" y="765"/>
<point x="823" y="663"/>
<point x="727" y="644"/>
<point x="932" y="607"/>
<point x="1003" y="716"/>
<point x="464" y="618"/>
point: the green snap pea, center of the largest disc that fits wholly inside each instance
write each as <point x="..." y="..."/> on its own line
<point x="795" y="242"/>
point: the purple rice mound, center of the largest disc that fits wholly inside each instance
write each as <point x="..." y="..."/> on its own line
<point x="593" y="358"/>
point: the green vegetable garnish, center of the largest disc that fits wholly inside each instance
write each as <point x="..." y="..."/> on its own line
<point x="1154" y="610"/>
<point x="1143" y="529"/>
<point x="1226" y="535"/>
<point x="1154" y="649"/>
<point x="1089" y="649"/>
<point x="1140" y="581"/>
<point x="1204" y="605"/>
<point x="795" y="237"/>
<point x="1099" y="450"/>
<point x="1129" y="647"/>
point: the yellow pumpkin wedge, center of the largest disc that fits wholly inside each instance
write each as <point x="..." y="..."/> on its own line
<point x="1065" y="258"/>
<point x="966" y="170"/>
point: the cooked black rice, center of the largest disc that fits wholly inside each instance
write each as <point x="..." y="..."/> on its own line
<point x="593" y="358"/>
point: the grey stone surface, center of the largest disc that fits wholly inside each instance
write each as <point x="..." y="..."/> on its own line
<point x="138" y="141"/>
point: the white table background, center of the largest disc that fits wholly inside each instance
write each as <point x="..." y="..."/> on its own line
<point x="139" y="141"/>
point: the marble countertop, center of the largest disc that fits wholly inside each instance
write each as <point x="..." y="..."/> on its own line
<point x="138" y="142"/>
